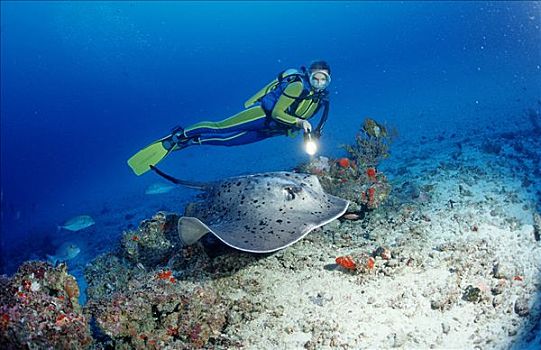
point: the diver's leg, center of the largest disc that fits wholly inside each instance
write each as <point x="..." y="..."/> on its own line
<point x="245" y="127"/>
<point x="232" y="139"/>
<point x="249" y="119"/>
<point x="220" y="133"/>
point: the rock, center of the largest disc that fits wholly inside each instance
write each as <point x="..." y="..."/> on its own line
<point x="39" y="309"/>
<point x="501" y="271"/>
<point x="153" y="242"/>
<point x="464" y="191"/>
<point x="472" y="294"/>
<point x="382" y="252"/>
<point x="497" y="300"/>
<point x="438" y="304"/>
<point x="354" y="208"/>
<point x="445" y="328"/>
<point x="392" y="263"/>
<point x="499" y="287"/>
<point x="399" y="340"/>
<point x="521" y="307"/>
<point x="333" y="225"/>
<point x="537" y="226"/>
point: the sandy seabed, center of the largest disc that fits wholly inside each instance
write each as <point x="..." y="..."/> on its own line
<point x="465" y="271"/>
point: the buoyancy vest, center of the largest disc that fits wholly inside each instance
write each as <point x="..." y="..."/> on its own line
<point x="270" y="93"/>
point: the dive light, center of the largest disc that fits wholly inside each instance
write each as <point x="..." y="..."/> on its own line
<point x="310" y="144"/>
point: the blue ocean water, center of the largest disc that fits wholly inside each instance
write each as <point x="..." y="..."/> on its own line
<point x="84" y="85"/>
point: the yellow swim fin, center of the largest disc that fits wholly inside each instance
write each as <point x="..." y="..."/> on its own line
<point x="141" y="161"/>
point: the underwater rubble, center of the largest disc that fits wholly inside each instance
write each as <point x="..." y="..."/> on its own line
<point x="137" y="300"/>
<point x="153" y="242"/>
<point x="156" y="311"/>
<point x="39" y="309"/>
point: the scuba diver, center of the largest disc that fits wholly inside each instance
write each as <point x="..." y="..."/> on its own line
<point x="282" y="107"/>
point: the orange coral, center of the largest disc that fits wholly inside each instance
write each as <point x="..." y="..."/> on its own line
<point x="172" y="331"/>
<point x="371" y="173"/>
<point x="346" y="262"/>
<point x="344" y="162"/>
<point x="371" y="196"/>
<point x="166" y="275"/>
<point x="4" y="321"/>
<point x="371" y="262"/>
<point x="61" y="320"/>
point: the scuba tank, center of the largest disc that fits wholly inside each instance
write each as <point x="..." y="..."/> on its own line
<point x="274" y="86"/>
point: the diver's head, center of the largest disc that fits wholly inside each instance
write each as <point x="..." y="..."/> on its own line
<point x="320" y="75"/>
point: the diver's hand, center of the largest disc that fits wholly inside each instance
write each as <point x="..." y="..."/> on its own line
<point x="304" y="124"/>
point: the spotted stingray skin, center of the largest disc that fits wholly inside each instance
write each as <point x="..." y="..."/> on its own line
<point x="266" y="212"/>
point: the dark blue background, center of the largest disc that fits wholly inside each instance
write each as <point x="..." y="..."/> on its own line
<point x="84" y="85"/>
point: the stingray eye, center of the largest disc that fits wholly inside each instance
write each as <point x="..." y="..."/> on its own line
<point x="289" y="193"/>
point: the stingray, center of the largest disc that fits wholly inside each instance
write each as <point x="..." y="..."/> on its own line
<point x="259" y="213"/>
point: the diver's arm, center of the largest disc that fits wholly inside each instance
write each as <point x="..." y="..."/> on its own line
<point x="279" y="113"/>
<point x="323" y="119"/>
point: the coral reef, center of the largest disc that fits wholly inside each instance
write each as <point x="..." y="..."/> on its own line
<point x="145" y="302"/>
<point x="372" y="144"/>
<point x="356" y="178"/>
<point x="365" y="188"/>
<point x="156" y="310"/>
<point x="108" y="274"/>
<point x="154" y="242"/>
<point x="364" y="263"/>
<point x="39" y="309"/>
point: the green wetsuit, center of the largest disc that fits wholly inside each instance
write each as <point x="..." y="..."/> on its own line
<point x="264" y="119"/>
<point x="254" y="124"/>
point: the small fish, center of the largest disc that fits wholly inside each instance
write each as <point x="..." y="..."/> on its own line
<point x="77" y="223"/>
<point x="377" y="130"/>
<point x="159" y="188"/>
<point x="351" y="216"/>
<point x="66" y="251"/>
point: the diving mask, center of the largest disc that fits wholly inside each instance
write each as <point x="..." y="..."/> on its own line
<point x="320" y="79"/>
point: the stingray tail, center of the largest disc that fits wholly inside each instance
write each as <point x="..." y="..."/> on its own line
<point x="190" y="184"/>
